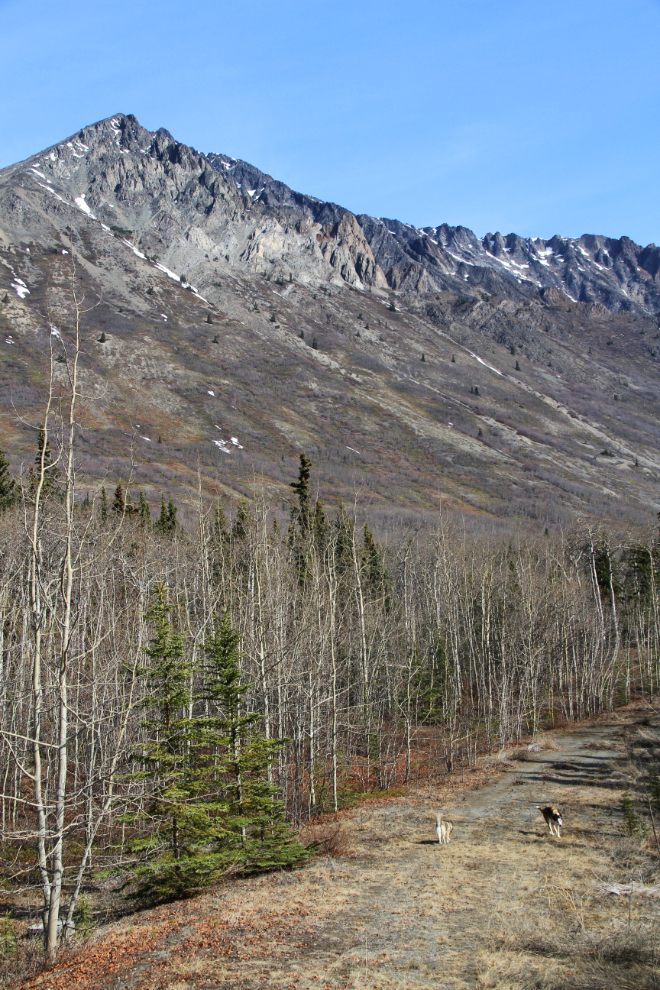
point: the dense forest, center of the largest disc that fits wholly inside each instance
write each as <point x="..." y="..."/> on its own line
<point x="175" y="700"/>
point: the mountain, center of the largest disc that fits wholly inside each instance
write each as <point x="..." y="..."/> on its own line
<point x="240" y="322"/>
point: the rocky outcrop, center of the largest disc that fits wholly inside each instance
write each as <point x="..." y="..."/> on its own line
<point x="202" y="214"/>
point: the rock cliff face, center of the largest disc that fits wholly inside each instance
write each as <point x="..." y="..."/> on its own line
<point x="196" y="212"/>
<point x="619" y="274"/>
<point x="182" y="208"/>
<point x="425" y="367"/>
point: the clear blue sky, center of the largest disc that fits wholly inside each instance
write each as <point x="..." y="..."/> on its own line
<point x="511" y="115"/>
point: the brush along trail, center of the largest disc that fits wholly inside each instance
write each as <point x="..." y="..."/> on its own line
<point x="503" y="905"/>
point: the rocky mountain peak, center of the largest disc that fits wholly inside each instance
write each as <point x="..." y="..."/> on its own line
<point x="179" y="203"/>
<point x="225" y="306"/>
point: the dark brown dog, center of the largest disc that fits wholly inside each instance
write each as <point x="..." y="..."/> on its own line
<point x="552" y="819"/>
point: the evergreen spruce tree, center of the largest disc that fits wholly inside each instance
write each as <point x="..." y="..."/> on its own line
<point x="143" y="510"/>
<point x="170" y="815"/>
<point x="300" y="526"/>
<point x="301" y="488"/>
<point x="212" y="807"/>
<point x="256" y="834"/>
<point x="7" y="485"/>
<point x="161" y="522"/>
<point x="377" y="577"/>
<point x="431" y="681"/>
<point x="241" y="520"/>
<point x="343" y="526"/>
<point x="166" y="522"/>
<point x="220" y="534"/>
<point x="118" y="502"/>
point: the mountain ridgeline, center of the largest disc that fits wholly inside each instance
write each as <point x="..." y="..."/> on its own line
<point x="238" y="321"/>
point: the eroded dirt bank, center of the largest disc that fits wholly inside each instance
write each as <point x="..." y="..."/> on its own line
<point x="504" y="905"/>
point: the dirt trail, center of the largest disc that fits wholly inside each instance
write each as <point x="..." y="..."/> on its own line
<point x="401" y="911"/>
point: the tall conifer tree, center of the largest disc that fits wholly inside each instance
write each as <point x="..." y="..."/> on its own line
<point x="301" y="488"/>
<point x="166" y="758"/>
<point x="241" y="755"/>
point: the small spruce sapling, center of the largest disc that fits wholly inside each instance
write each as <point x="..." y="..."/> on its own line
<point x="8" y="937"/>
<point x="632" y="822"/>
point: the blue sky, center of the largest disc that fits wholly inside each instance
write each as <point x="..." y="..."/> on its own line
<point x="533" y="117"/>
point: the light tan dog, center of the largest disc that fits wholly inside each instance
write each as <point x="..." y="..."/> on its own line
<point x="552" y="818"/>
<point x="444" y="830"/>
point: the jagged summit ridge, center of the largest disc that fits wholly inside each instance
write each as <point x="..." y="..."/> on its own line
<point x="616" y="273"/>
<point x="194" y="212"/>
